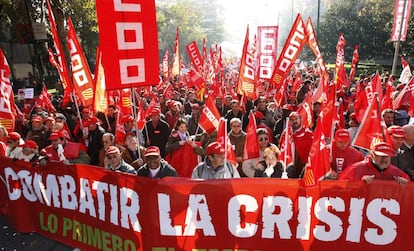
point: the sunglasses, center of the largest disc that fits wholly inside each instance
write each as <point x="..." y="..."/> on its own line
<point x="263" y="139"/>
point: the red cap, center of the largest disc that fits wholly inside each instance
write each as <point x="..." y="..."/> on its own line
<point x="57" y="135"/>
<point x="14" y="136"/>
<point x="50" y="119"/>
<point x="396" y="131"/>
<point x="36" y="119"/>
<point x="155" y="111"/>
<point x="353" y="116"/>
<point x="127" y="118"/>
<point x="294" y="115"/>
<point x="259" y="115"/>
<point x="91" y="121"/>
<point x="215" y="148"/>
<point x="152" y="151"/>
<point x="85" y="110"/>
<point x="171" y="103"/>
<point x="342" y="135"/>
<point x="112" y="150"/>
<point x="383" y="149"/>
<point x="29" y="144"/>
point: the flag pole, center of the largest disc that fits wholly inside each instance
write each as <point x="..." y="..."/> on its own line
<point x="224" y="143"/>
<point x="284" y="173"/>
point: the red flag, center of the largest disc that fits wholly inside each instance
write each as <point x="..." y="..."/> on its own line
<point x="318" y="165"/>
<point x="45" y="100"/>
<point x="141" y="116"/>
<point x="401" y="20"/>
<point x="361" y="102"/>
<point x="6" y="95"/>
<point x="100" y="97"/>
<point x="403" y="100"/>
<point x="387" y="99"/>
<point x="340" y="74"/>
<point x="320" y="93"/>
<point x="313" y="44"/>
<point x="175" y="69"/>
<point x="251" y="147"/>
<point x="370" y="128"/>
<point x="126" y="105"/>
<point x="195" y="57"/>
<point x="195" y="79"/>
<point x="341" y="114"/>
<point x="246" y="82"/>
<point x="209" y="118"/>
<point x="290" y="52"/>
<point x="355" y="59"/>
<point x="329" y="115"/>
<point x="306" y="111"/>
<point x="82" y="77"/>
<point x="62" y="66"/>
<point x="406" y="72"/>
<point x="286" y="147"/>
<point x="128" y="39"/>
<point x="224" y="140"/>
<point x="266" y="50"/>
<point x="166" y="64"/>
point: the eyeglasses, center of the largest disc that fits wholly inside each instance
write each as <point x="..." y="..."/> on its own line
<point x="263" y="139"/>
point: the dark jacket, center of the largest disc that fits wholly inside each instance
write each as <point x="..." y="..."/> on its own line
<point x="165" y="170"/>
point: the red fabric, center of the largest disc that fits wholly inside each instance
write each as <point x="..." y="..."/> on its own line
<point x="361" y="103"/>
<point x="318" y="165"/>
<point x="195" y="57"/>
<point x="70" y="151"/>
<point x="266" y="49"/>
<point x="370" y="128"/>
<point x="296" y="39"/>
<point x="224" y="140"/>
<point x="101" y="96"/>
<point x="306" y="111"/>
<point x="166" y="64"/>
<point x="6" y="95"/>
<point x="401" y="20"/>
<point x="45" y="100"/>
<point x="183" y="160"/>
<point x="128" y="39"/>
<point x="175" y="69"/>
<point x="303" y="142"/>
<point x="387" y="99"/>
<point x="246" y="81"/>
<point x="81" y="74"/>
<point x="285" y="145"/>
<point x="209" y="118"/>
<point x="340" y="74"/>
<point x="313" y="44"/>
<point x="355" y="59"/>
<point x="356" y="171"/>
<point x="251" y="147"/>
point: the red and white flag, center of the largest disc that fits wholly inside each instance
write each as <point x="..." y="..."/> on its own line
<point x="370" y="129"/>
<point x="166" y="64"/>
<point x="61" y="64"/>
<point x="246" y="82"/>
<point x="285" y="143"/>
<point x="406" y="72"/>
<point x="224" y="140"/>
<point x="306" y="111"/>
<point x="210" y="115"/>
<point x="401" y="20"/>
<point x="141" y="116"/>
<point x="251" y="147"/>
<point x="195" y="57"/>
<point x="340" y="74"/>
<point x="82" y="77"/>
<point x="100" y="97"/>
<point x="290" y="52"/>
<point x="129" y="42"/>
<point x="266" y="50"/>
<point x="175" y="69"/>
<point x="355" y="59"/>
<point x="6" y="95"/>
<point x="313" y="44"/>
<point x="45" y="100"/>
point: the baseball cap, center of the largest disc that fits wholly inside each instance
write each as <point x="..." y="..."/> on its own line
<point x="112" y="150"/>
<point x="342" y="135"/>
<point x="259" y="115"/>
<point x="152" y="151"/>
<point x="294" y="115"/>
<point x="57" y="135"/>
<point x="14" y="136"/>
<point x="396" y="131"/>
<point x="215" y="148"/>
<point x="127" y="118"/>
<point x="29" y="144"/>
<point x="383" y="149"/>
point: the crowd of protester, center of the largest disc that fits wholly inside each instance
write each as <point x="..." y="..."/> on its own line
<point x="64" y="136"/>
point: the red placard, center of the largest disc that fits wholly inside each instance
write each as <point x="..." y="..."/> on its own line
<point x="129" y="42"/>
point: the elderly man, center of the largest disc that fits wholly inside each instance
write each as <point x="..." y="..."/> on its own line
<point x="376" y="166"/>
<point x="343" y="155"/>
<point x="64" y="151"/>
<point x="115" y="161"/>
<point x="214" y="166"/>
<point x="155" y="167"/>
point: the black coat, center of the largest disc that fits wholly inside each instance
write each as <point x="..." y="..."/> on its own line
<point x="165" y="170"/>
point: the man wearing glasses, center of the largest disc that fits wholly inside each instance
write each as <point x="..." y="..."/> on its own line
<point x="115" y="161"/>
<point x="155" y="167"/>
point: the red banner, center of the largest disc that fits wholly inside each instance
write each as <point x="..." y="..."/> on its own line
<point x="209" y="118"/>
<point x="195" y="57"/>
<point x="129" y="42"/>
<point x="266" y="50"/>
<point x="313" y="44"/>
<point x="96" y="209"/>
<point x="246" y="81"/>
<point x="401" y="19"/>
<point x="82" y="78"/>
<point x="6" y="95"/>
<point x="291" y="50"/>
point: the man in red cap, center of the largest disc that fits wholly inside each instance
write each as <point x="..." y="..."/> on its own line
<point x="29" y="152"/>
<point x="343" y="155"/>
<point x="115" y="161"/>
<point x="13" y="141"/>
<point x="214" y="165"/>
<point x="376" y="166"/>
<point x="63" y="151"/>
<point x="155" y="167"/>
<point x="301" y="140"/>
<point x="157" y="131"/>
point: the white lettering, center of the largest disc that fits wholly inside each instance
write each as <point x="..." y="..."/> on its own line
<point x="249" y="204"/>
<point x="284" y="205"/>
